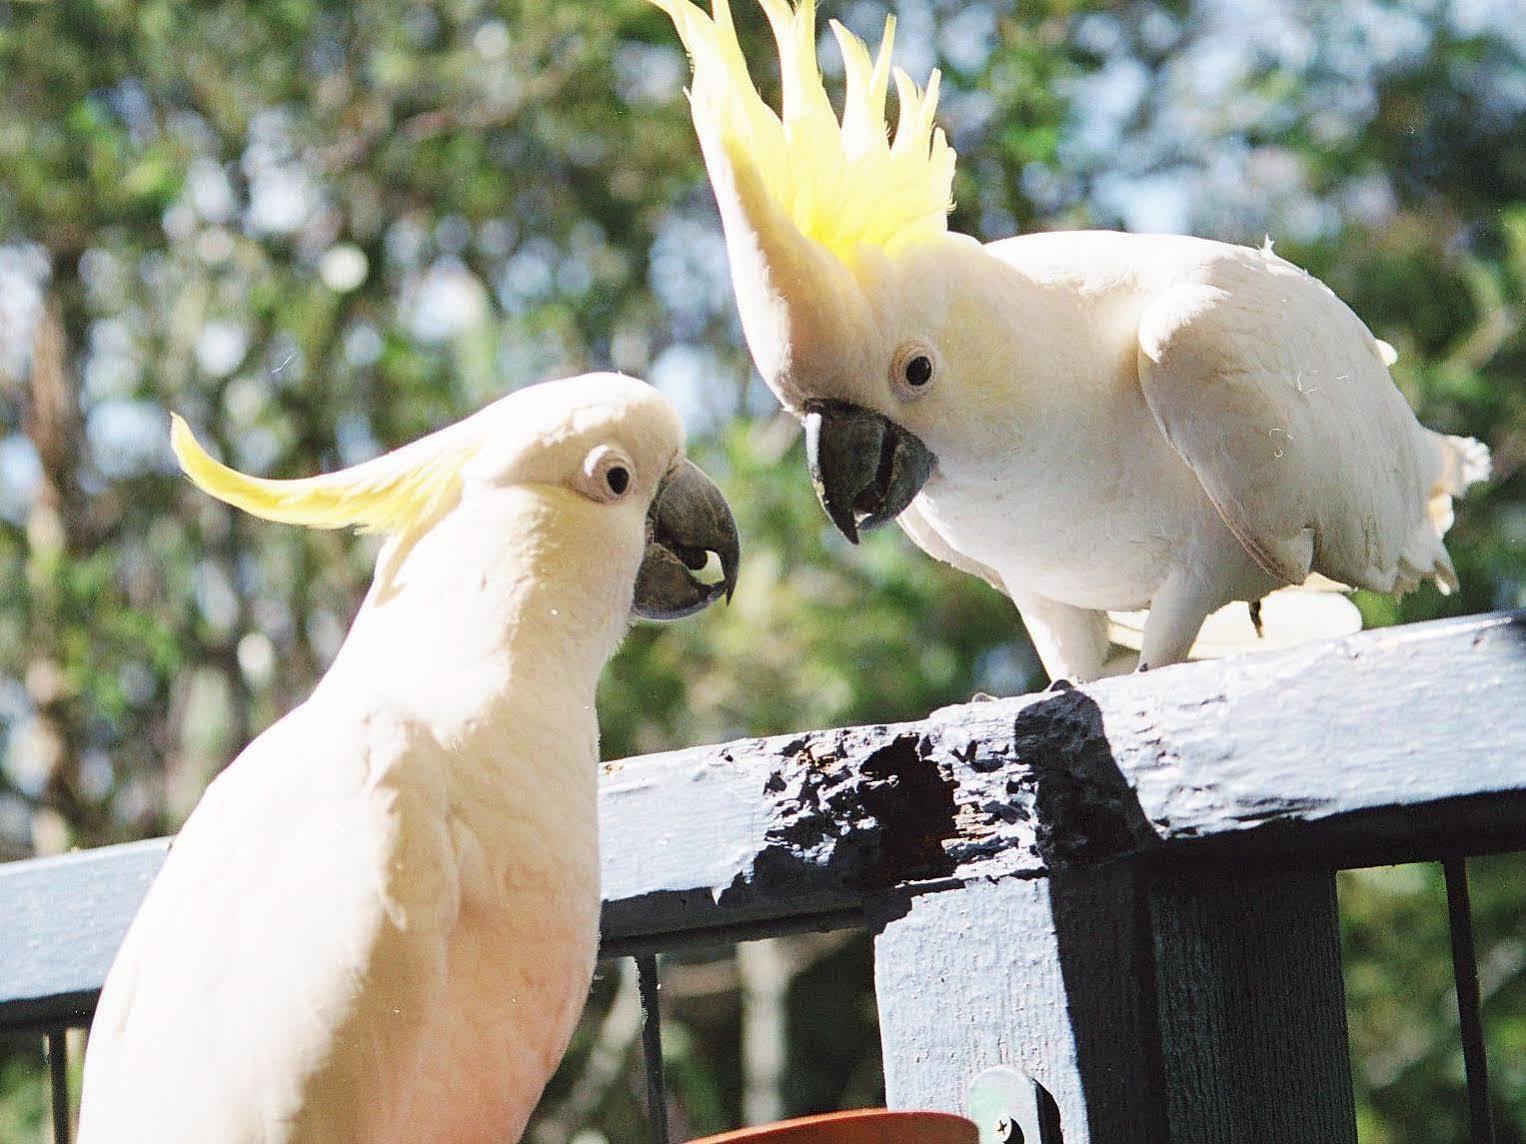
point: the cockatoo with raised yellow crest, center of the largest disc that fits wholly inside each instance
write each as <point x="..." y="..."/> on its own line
<point x="1091" y="421"/>
<point x="379" y="923"/>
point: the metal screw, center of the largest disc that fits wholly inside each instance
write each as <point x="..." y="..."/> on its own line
<point x="1010" y="1108"/>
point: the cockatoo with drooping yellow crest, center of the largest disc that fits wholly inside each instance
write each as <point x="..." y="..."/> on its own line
<point x="379" y="924"/>
<point x="1091" y="421"/>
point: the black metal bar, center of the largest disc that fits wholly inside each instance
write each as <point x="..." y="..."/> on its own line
<point x="651" y="1047"/>
<point x="1469" y="1014"/>
<point x="58" y="1076"/>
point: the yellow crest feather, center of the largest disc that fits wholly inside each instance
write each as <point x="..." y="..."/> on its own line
<point x="844" y="185"/>
<point x="393" y="493"/>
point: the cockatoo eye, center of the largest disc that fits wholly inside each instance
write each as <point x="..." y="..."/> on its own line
<point x="607" y="474"/>
<point x="913" y="370"/>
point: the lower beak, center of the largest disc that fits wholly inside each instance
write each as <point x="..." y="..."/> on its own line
<point x="865" y="467"/>
<point x="688" y="520"/>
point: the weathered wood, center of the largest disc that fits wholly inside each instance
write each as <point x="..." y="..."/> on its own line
<point x="1380" y="745"/>
<point x="1040" y="974"/>
<point x="61" y="920"/>
<point x="1193" y="1007"/>
<point x="1251" y="1006"/>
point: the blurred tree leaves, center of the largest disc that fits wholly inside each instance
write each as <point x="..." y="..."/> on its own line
<point x="321" y="229"/>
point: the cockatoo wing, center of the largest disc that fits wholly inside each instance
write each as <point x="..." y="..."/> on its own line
<point x="1279" y="398"/>
<point x="279" y="952"/>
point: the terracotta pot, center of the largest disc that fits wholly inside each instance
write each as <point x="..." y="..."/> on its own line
<point x="859" y="1126"/>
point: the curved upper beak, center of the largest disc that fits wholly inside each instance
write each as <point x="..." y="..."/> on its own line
<point x="865" y="467"/>
<point x="688" y="520"/>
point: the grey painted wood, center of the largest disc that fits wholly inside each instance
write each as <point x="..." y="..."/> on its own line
<point x="1042" y="975"/>
<point x="1197" y="1007"/>
<point x="1251" y="1006"/>
<point x="1382" y="744"/>
<point x="61" y="920"/>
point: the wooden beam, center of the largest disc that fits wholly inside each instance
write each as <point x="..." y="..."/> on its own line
<point x="1196" y="1006"/>
<point x="61" y="921"/>
<point x="1383" y="745"/>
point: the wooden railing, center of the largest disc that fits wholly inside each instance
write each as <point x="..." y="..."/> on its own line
<point x="1123" y="892"/>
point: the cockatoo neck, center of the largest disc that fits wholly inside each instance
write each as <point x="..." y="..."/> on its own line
<point x="469" y="633"/>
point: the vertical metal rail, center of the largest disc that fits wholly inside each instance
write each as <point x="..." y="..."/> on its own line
<point x="651" y="1047"/>
<point x="58" y="1079"/>
<point x="1470" y="1017"/>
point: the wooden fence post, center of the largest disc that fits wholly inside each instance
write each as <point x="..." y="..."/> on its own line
<point x="1195" y="1006"/>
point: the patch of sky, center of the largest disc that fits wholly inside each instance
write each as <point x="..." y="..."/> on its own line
<point x="1006" y="669"/>
<point x="916" y="38"/>
<point x="245" y="400"/>
<point x="1099" y="33"/>
<point x="688" y="272"/>
<point x="966" y="38"/>
<point x="343" y="267"/>
<point x="965" y="115"/>
<point x="15" y="815"/>
<point x="421" y="24"/>
<point x="1147" y="204"/>
<point x="1496" y="17"/>
<point x="28" y="759"/>
<point x="105" y="278"/>
<point x="271" y="615"/>
<point x="491" y="40"/>
<point x="325" y="632"/>
<point x="129" y="101"/>
<point x="352" y="433"/>
<point x="285" y="365"/>
<point x="700" y="385"/>
<point x="362" y="345"/>
<point x="95" y="773"/>
<point x="256" y="450"/>
<point x="128" y="438"/>
<point x="648" y="74"/>
<point x="451" y="234"/>
<point x="496" y="237"/>
<point x="214" y="595"/>
<point x="1111" y="96"/>
<point x="23" y="268"/>
<point x="443" y="302"/>
<point x="1181" y="164"/>
<point x="20" y="476"/>
<point x="528" y="275"/>
<point x="528" y="357"/>
<point x="282" y="193"/>
<point x="221" y="346"/>
<point x="209" y="192"/>
<point x="405" y="241"/>
<point x="112" y="366"/>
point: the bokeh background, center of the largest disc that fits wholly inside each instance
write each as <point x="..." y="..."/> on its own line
<point x="321" y="229"/>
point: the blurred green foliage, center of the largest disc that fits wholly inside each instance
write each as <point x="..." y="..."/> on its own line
<point x="321" y="229"/>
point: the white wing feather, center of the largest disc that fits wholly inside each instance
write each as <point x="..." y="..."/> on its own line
<point x="1279" y="398"/>
<point x="275" y="941"/>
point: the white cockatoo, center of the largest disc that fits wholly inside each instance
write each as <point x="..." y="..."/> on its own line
<point x="1091" y="421"/>
<point x="380" y="922"/>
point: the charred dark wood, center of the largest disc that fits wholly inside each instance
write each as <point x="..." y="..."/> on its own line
<point x="1388" y="745"/>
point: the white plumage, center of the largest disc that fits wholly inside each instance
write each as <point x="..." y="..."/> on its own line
<point x="1093" y="422"/>
<point x="380" y="922"/>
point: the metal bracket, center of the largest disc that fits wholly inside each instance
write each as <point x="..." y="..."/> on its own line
<point x="1010" y="1107"/>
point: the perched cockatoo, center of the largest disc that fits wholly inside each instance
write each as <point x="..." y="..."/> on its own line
<point x="1091" y="421"/>
<point x="379" y="924"/>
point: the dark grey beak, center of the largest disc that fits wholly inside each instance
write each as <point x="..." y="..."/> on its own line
<point x="865" y="467"/>
<point x="688" y="520"/>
